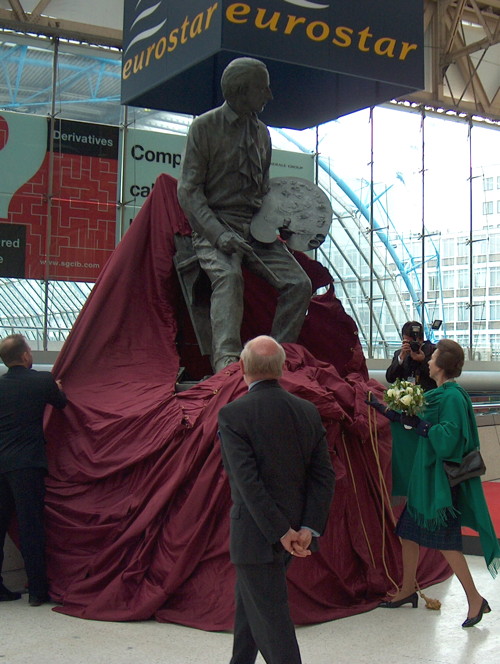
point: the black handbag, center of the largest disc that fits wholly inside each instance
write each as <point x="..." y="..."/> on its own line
<point x="472" y="466"/>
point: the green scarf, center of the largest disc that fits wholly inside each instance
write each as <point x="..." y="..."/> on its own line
<point x="418" y="468"/>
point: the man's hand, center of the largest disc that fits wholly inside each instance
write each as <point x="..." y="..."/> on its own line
<point x="292" y="542"/>
<point x="304" y="538"/>
<point x="418" y="355"/>
<point x="405" y="351"/>
<point x="230" y="243"/>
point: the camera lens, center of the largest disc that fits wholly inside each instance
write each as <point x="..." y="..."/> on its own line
<point x="415" y="346"/>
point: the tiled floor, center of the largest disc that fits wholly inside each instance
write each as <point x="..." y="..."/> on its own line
<point x="41" y="636"/>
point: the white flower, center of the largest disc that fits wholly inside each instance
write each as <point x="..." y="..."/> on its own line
<point x="405" y="396"/>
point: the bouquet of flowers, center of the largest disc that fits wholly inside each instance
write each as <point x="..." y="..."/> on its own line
<point x="405" y="397"/>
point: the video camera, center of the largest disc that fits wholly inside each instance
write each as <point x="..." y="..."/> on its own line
<point x="415" y="333"/>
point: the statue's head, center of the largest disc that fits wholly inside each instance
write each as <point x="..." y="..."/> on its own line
<point x="245" y="85"/>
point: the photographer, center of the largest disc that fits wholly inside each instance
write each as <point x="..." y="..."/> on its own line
<point x="412" y="359"/>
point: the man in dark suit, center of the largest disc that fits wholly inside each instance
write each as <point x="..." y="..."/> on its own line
<point x="24" y="393"/>
<point x="411" y="361"/>
<point x="275" y="454"/>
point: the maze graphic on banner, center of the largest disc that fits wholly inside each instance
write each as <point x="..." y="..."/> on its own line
<point x="64" y="229"/>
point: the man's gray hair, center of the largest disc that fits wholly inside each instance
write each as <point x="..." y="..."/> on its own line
<point x="269" y="364"/>
<point x="237" y="75"/>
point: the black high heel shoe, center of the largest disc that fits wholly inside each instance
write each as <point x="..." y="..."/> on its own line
<point x="411" y="599"/>
<point x="470" y="622"/>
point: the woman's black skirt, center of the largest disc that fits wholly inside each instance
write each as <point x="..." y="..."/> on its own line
<point x="446" y="538"/>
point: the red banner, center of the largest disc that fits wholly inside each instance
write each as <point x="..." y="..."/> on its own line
<point x="61" y="227"/>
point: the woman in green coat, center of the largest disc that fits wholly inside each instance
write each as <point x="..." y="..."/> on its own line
<point x="435" y="512"/>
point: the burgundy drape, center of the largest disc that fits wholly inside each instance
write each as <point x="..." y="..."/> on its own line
<point x="137" y="499"/>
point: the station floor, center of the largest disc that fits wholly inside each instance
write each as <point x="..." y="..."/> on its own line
<point x="30" y="635"/>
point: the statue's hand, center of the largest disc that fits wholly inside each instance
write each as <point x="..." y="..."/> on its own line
<point x="230" y="243"/>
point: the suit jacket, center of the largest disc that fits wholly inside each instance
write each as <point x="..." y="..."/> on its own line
<point x="409" y="367"/>
<point x="275" y="454"/>
<point x="24" y="393"/>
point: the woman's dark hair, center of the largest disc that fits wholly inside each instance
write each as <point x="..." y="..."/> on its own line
<point x="450" y="357"/>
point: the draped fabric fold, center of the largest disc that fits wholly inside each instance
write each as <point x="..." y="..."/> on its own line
<point x="137" y="499"/>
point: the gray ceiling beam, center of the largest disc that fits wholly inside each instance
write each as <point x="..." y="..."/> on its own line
<point x="51" y="27"/>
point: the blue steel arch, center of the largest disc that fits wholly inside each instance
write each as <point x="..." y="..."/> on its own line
<point x="377" y="227"/>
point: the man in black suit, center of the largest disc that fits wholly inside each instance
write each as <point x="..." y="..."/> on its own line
<point x="24" y="393"/>
<point x="411" y="361"/>
<point x="275" y="454"/>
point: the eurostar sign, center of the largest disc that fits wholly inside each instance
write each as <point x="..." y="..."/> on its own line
<point x="324" y="59"/>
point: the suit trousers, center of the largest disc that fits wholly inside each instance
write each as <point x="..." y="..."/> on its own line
<point x="262" y="619"/>
<point x="276" y="265"/>
<point x="23" y="492"/>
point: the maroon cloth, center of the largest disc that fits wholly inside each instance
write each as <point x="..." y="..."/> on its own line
<point x="137" y="498"/>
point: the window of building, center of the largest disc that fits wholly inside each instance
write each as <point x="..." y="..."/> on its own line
<point x="448" y="248"/>
<point x="494" y="243"/>
<point x="449" y="312"/>
<point x="448" y="279"/>
<point x="480" y="341"/>
<point x="462" y="247"/>
<point x="463" y="279"/>
<point x="488" y="207"/>
<point x="487" y="184"/>
<point x="433" y="281"/>
<point x="494" y="272"/>
<point x="495" y="310"/>
<point x="495" y="346"/>
<point x="479" y="277"/>
<point x="480" y="246"/>
<point x="479" y="311"/>
<point x="463" y="312"/>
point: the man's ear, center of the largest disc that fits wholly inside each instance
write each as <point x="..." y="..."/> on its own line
<point x="242" y="366"/>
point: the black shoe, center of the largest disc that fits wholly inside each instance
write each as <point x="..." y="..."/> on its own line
<point x="7" y="595"/>
<point x="411" y="599"/>
<point x="38" y="600"/>
<point x="470" y="622"/>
